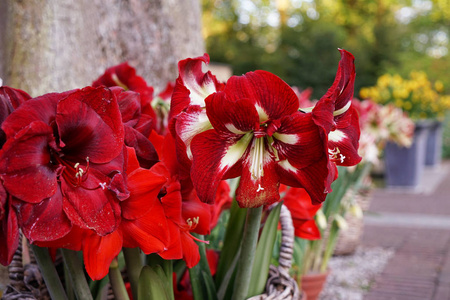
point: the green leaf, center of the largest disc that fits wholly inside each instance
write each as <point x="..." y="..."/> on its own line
<point x="232" y="242"/>
<point x="152" y="284"/>
<point x="263" y="255"/>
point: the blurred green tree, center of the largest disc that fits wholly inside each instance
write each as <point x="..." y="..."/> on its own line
<point x="297" y="39"/>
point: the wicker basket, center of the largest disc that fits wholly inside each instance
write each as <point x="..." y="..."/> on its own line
<point x="280" y="285"/>
<point x="349" y="240"/>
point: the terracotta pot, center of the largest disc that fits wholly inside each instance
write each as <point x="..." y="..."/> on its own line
<point x="312" y="284"/>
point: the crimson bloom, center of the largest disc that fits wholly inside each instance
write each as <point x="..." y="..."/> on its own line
<point x="124" y="76"/>
<point x="10" y="99"/>
<point x="63" y="163"/>
<point x="143" y="224"/>
<point x="338" y="118"/>
<point x="137" y="126"/>
<point x="259" y="134"/>
<point x="187" y="116"/>
<point x="184" y="211"/>
<point x="302" y="211"/>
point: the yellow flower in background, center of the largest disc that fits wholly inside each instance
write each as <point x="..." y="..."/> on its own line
<point x="416" y="95"/>
<point x="439" y="86"/>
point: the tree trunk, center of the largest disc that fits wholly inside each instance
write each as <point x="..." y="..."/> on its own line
<point x="58" y="45"/>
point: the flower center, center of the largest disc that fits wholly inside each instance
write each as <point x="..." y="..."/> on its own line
<point x="335" y="154"/>
<point x="76" y="174"/>
<point x="192" y="223"/>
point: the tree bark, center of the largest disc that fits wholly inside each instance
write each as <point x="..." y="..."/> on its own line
<point x="59" y="45"/>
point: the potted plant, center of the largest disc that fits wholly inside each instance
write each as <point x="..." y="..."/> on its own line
<point x="424" y="103"/>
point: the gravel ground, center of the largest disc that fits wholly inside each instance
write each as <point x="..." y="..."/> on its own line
<point x="353" y="275"/>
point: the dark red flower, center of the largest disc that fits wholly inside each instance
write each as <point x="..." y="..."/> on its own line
<point x="9" y="228"/>
<point x="143" y="224"/>
<point x="124" y="76"/>
<point x="302" y="211"/>
<point x="137" y="126"/>
<point x="63" y="163"/>
<point x="10" y="99"/>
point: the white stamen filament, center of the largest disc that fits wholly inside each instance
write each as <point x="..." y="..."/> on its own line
<point x="257" y="164"/>
<point x="343" y="109"/>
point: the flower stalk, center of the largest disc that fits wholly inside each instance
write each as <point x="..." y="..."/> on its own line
<point x="248" y="248"/>
<point x="134" y="263"/>
<point x="117" y="284"/>
<point x="51" y="278"/>
<point x="76" y="274"/>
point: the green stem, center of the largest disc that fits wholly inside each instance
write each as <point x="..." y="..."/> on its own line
<point x="68" y="283"/>
<point x="331" y="244"/>
<point x="133" y="260"/>
<point x="248" y="248"/>
<point x="117" y="284"/>
<point x="76" y="273"/>
<point x="48" y="271"/>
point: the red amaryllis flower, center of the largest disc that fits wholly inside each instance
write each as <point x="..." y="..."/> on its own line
<point x="143" y="224"/>
<point x="343" y="131"/>
<point x="63" y="163"/>
<point x="124" y="76"/>
<point x="259" y="134"/>
<point x="10" y="99"/>
<point x="302" y="211"/>
<point x="184" y="211"/>
<point x="187" y="115"/>
<point x="137" y="126"/>
<point x="9" y="228"/>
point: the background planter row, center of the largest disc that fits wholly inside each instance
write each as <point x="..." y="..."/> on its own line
<point x="404" y="166"/>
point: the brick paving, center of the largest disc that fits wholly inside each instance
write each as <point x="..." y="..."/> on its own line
<point x="416" y="225"/>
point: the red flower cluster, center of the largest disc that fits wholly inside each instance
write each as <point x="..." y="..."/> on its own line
<point x="86" y="170"/>
<point x="94" y="170"/>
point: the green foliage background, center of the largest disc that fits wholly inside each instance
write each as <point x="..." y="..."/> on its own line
<point x="298" y="39"/>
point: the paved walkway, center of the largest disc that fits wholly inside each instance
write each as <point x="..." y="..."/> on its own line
<point x="416" y="225"/>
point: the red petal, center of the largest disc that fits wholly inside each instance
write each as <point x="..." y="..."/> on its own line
<point x="145" y="151"/>
<point x="273" y="95"/>
<point x="90" y="125"/>
<point x="124" y="75"/>
<point x="98" y="253"/>
<point x="261" y="191"/>
<point x="312" y="178"/>
<point x="174" y="249"/>
<point x="193" y="85"/>
<point x="25" y="164"/>
<point x="197" y="211"/>
<point x="150" y="232"/>
<point x="44" y="221"/>
<point x="95" y="209"/>
<point x="144" y="186"/>
<point x="190" y="250"/>
<point x="231" y="117"/>
<point x="42" y="109"/>
<point x="299" y="140"/>
<point x="343" y="142"/>
<point x="9" y="229"/>
<point x="306" y="229"/>
<point x="207" y="171"/>
<point x="343" y="85"/>
<point x="73" y="240"/>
